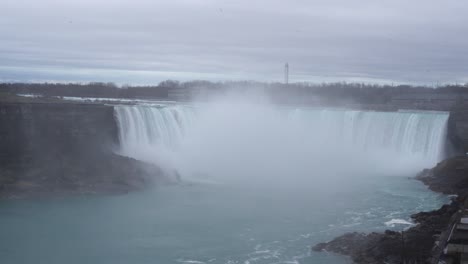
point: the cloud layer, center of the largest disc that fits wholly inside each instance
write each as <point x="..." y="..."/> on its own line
<point x="143" y="41"/>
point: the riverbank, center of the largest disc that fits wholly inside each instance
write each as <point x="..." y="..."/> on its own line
<point x="422" y="243"/>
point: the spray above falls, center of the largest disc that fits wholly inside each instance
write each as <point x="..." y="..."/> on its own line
<point x="232" y="140"/>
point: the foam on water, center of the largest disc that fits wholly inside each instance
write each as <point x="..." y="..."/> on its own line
<point x="190" y="261"/>
<point x="394" y="222"/>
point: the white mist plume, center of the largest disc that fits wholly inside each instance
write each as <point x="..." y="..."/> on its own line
<point x="234" y="139"/>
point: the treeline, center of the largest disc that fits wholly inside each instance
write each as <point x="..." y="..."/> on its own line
<point x="94" y="89"/>
<point x="356" y="92"/>
<point x="361" y="93"/>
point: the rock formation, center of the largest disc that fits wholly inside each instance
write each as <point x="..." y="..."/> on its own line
<point x="64" y="148"/>
<point x="418" y="243"/>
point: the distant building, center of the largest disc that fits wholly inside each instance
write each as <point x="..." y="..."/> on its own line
<point x="286" y="73"/>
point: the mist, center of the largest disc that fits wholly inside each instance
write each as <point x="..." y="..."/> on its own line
<point x="247" y="140"/>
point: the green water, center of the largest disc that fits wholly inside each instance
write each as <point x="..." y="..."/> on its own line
<point x="205" y="223"/>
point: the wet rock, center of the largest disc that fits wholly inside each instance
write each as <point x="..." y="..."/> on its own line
<point x="411" y="246"/>
<point x="417" y="244"/>
<point x="449" y="176"/>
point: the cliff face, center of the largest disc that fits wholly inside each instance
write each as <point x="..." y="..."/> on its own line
<point x="458" y="128"/>
<point x="62" y="147"/>
<point x="449" y="176"/>
<point x="32" y="131"/>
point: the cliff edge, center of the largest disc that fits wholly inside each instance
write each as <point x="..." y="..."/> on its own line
<point x="60" y="147"/>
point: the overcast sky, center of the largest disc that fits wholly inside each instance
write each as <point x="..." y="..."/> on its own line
<point x="147" y="41"/>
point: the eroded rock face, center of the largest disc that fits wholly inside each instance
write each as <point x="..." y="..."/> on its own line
<point x="449" y="176"/>
<point x="64" y="148"/>
<point x="31" y="131"/>
<point x="458" y="127"/>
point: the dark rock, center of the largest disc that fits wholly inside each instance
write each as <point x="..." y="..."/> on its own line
<point x="458" y="127"/>
<point x="449" y="176"/>
<point x="109" y="174"/>
<point x="31" y="132"/>
<point x="65" y="148"/>
<point x="415" y="245"/>
<point x="367" y="248"/>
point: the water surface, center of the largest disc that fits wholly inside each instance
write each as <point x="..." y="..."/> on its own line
<point x="205" y="223"/>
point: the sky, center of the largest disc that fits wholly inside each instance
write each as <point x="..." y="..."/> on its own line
<point x="148" y="41"/>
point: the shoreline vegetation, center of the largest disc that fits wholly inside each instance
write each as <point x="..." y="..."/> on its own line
<point x="336" y="93"/>
<point x="422" y="243"/>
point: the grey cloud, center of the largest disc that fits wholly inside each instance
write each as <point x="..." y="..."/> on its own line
<point x="149" y="41"/>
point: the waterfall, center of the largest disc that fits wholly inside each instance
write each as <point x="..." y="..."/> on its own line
<point x="285" y="140"/>
<point x="420" y="134"/>
<point x="144" y="128"/>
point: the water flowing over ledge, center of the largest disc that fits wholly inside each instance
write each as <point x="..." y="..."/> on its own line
<point x="253" y="134"/>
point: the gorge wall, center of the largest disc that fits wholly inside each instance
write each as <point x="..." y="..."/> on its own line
<point x="458" y="129"/>
<point x="31" y="131"/>
<point x="63" y="147"/>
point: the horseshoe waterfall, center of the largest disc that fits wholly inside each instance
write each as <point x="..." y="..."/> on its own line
<point x="196" y="139"/>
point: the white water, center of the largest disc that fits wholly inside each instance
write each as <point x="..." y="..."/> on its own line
<point x="151" y="127"/>
<point x="237" y="140"/>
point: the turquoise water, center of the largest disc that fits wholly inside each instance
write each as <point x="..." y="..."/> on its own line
<point x="206" y="223"/>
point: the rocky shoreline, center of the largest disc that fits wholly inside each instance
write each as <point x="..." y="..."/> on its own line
<point x="420" y="243"/>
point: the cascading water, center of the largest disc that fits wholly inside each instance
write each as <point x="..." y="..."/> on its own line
<point x="257" y="139"/>
<point x="417" y="134"/>
<point x="143" y="129"/>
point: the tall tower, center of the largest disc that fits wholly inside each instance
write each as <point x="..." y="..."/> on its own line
<point x="286" y="73"/>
